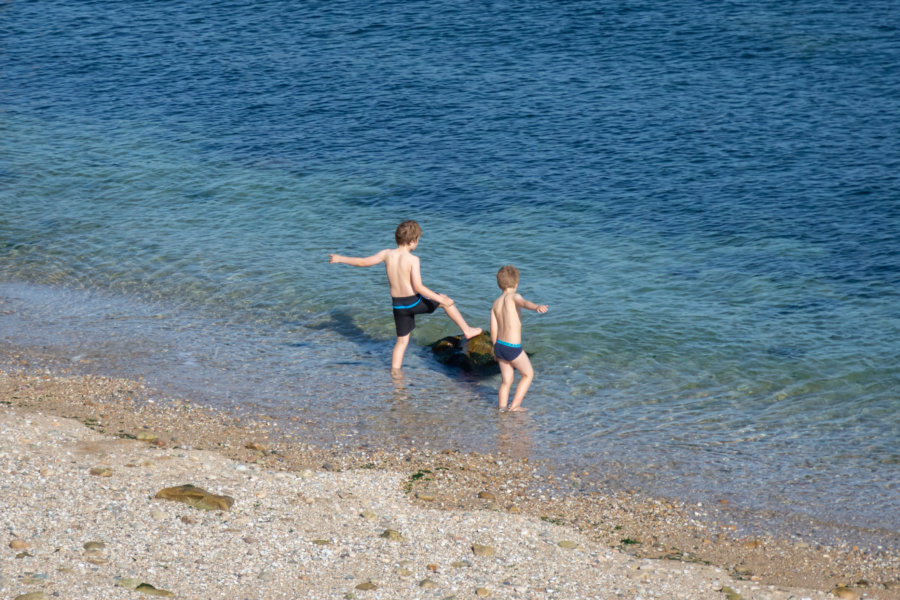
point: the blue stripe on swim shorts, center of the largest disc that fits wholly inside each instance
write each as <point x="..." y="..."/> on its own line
<point x="502" y="343"/>
<point x="409" y="305"/>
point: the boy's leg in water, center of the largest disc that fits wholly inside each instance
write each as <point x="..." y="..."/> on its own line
<point x="506" y="377"/>
<point x="523" y="365"/>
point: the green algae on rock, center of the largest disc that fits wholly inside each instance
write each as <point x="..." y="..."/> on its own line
<point x="474" y="355"/>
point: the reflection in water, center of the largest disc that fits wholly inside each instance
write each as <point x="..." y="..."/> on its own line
<point x="514" y="434"/>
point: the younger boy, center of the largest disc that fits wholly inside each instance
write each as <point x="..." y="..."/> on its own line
<point x="409" y="295"/>
<point x="506" y="334"/>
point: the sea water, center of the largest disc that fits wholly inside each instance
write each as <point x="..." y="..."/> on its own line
<point x="707" y="196"/>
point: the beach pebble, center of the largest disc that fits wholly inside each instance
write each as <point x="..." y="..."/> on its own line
<point x="731" y="594"/>
<point x="845" y="593"/>
<point x="128" y="583"/>
<point x="567" y="544"/>
<point x="94" y="547"/>
<point x="482" y="550"/>
<point x="146" y="588"/>
<point x="367" y="586"/>
<point x="393" y="535"/>
<point x="32" y="596"/>
<point x="19" y="545"/>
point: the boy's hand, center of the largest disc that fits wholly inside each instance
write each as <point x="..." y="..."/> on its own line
<point x="542" y="308"/>
<point x="333" y="258"/>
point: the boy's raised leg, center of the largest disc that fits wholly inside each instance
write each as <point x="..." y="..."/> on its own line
<point x="456" y="317"/>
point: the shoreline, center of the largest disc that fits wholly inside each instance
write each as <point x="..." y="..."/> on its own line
<point x="628" y="526"/>
<point x="746" y="478"/>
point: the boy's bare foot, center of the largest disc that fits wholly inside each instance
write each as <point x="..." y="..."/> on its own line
<point x="502" y="408"/>
<point x="472" y="332"/>
<point x="518" y="409"/>
<point x="396" y="374"/>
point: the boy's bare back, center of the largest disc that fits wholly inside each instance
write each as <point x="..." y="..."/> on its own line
<point x="508" y="313"/>
<point x="400" y="265"/>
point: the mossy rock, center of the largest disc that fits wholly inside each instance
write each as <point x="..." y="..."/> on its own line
<point x="475" y="355"/>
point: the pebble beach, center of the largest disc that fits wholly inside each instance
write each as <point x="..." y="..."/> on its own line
<point x="84" y="457"/>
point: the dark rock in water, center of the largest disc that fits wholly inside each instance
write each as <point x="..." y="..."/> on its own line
<point x="475" y="355"/>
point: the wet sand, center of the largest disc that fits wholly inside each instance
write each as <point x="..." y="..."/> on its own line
<point x="623" y="530"/>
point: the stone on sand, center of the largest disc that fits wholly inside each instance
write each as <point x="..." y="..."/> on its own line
<point x="196" y="497"/>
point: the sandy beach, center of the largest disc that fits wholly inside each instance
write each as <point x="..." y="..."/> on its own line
<point x="83" y="458"/>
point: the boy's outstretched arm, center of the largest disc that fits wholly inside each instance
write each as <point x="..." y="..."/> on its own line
<point x="540" y="308"/>
<point x="355" y="261"/>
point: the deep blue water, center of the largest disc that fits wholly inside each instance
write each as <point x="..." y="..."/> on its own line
<point x="706" y="195"/>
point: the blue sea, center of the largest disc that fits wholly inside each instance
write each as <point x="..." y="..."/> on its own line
<point x="706" y="194"/>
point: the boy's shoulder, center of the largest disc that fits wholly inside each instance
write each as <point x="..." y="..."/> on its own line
<point x="504" y="295"/>
<point x="402" y="253"/>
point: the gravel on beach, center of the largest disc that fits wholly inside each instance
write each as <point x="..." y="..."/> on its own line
<point x="82" y="459"/>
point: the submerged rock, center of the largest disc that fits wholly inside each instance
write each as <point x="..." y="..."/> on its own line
<point x="196" y="497"/>
<point x="475" y="355"/>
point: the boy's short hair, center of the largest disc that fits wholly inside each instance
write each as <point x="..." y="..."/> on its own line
<point x="407" y="233"/>
<point x="507" y="277"/>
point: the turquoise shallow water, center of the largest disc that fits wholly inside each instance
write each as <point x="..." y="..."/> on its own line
<point x="707" y="198"/>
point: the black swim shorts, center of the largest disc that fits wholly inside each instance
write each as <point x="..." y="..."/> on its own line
<point x="406" y="309"/>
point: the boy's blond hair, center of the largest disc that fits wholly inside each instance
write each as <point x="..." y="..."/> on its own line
<point x="507" y="277"/>
<point x="407" y="233"/>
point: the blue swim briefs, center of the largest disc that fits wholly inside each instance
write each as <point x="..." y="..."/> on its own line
<point x="506" y="351"/>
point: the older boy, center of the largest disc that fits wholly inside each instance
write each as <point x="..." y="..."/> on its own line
<point x="409" y="295"/>
<point x="506" y="334"/>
